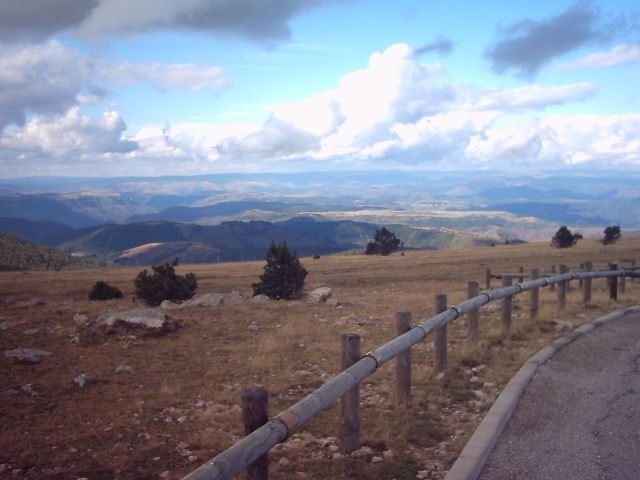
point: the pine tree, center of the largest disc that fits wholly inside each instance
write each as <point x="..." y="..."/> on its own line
<point x="611" y="234"/>
<point x="564" y="238"/>
<point x="384" y="242"/>
<point x="283" y="276"/>
<point x="165" y="284"/>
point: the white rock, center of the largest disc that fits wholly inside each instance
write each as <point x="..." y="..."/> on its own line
<point x="479" y="394"/>
<point x="321" y="294"/>
<point x="254" y="327"/>
<point x="333" y="302"/>
<point x="377" y="460"/>
<point x="561" y="325"/>
<point x="362" y="452"/>
<point x="82" y="380"/>
<point x="261" y="298"/>
<point x="27" y="355"/>
<point x="145" y="317"/>
<point x="235" y="297"/>
<point x="206" y="300"/>
<point x="169" y="305"/>
<point x="283" y="462"/>
<point x="125" y="368"/>
<point x="80" y="319"/>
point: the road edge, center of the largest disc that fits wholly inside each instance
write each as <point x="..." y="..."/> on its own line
<point x="474" y="455"/>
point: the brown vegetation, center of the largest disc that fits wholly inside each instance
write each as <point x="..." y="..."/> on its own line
<point x="181" y="403"/>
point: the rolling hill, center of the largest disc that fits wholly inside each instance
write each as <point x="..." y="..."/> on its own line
<point x="19" y="254"/>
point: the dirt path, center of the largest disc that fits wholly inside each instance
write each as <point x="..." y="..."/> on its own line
<point x="580" y="417"/>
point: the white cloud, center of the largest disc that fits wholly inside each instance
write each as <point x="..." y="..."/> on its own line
<point x="71" y="135"/>
<point x="178" y="76"/>
<point x="41" y="79"/>
<point x="396" y="108"/>
<point x="618" y="55"/>
<point x="561" y="140"/>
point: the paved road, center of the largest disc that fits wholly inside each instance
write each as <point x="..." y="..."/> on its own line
<point x="579" y="418"/>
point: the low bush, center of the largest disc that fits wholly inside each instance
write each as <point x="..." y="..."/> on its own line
<point x="164" y="284"/>
<point x="103" y="291"/>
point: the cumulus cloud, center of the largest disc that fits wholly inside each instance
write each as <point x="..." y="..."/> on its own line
<point x="561" y="140"/>
<point x="42" y="79"/>
<point x="395" y="107"/>
<point x="259" y="20"/>
<point x="527" y="45"/>
<point x="180" y="76"/>
<point x="70" y="135"/>
<point x="440" y="45"/>
<point x="618" y="55"/>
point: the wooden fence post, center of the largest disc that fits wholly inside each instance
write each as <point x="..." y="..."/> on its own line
<point x="586" y="285"/>
<point x="255" y="413"/>
<point x="535" y="295"/>
<point x="562" y="287"/>
<point x="350" y="401"/>
<point x="440" y="335"/>
<point x="473" y="315"/>
<point x="613" y="283"/>
<point x="581" y="280"/>
<point x="403" y="360"/>
<point x="507" y="305"/>
<point x="553" y="272"/>
<point x="487" y="278"/>
<point x="521" y="277"/>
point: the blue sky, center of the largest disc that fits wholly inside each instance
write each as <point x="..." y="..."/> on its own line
<point x="110" y="87"/>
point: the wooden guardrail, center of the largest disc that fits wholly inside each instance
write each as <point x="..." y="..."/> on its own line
<point x="345" y="385"/>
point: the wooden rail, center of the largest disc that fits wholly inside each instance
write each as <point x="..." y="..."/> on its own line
<point x="345" y="384"/>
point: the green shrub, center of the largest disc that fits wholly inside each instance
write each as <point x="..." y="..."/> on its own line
<point x="164" y="284"/>
<point x="564" y="238"/>
<point x="611" y="234"/>
<point x="384" y="242"/>
<point x="103" y="291"/>
<point x="283" y="276"/>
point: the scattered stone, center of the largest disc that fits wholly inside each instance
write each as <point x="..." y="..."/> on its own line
<point x="206" y="300"/>
<point x="387" y="455"/>
<point x="363" y="452"/>
<point x="193" y="458"/>
<point x="143" y="317"/>
<point x="261" y="298"/>
<point x="254" y="327"/>
<point x="377" y="459"/>
<point x="165" y="474"/>
<point x="28" y="389"/>
<point x="125" y="368"/>
<point x="283" y="462"/>
<point x="81" y="320"/>
<point x="319" y="295"/>
<point x="333" y="448"/>
<point x="440" y="376"/>
<point x="561" y="325"/>
<point x="235" y="297"/>
<point x="31" y="331"/>
<point x="479" y="394"/>
<point x="336" y="456"/>
<point x="34" y="302"/>
<point x="83" y="379"/>
<point x="3" y="326"/>
<point x="131" y="344"/>
<point x="333" y="302"/>
<point x="27" y="356"/>
<point x="169" y="305"/>
<point x="181" y="419"/>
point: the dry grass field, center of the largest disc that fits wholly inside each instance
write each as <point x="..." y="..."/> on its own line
<point x="180" y="404"/>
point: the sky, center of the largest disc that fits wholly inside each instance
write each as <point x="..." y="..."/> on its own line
<point x="184" y="87"/>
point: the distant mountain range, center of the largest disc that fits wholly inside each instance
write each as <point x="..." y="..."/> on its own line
<point x="155" y="242"/>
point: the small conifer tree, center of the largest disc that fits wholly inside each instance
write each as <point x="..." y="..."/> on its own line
<point x="283" y="276"/>
<point x="611" y="234"/>
<point x="384" y="242"/>
<point x="164" y="284"/>
<point x="564" y="238"/>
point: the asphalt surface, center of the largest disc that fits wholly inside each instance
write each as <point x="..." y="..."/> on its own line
<point x="579" y="418"/>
